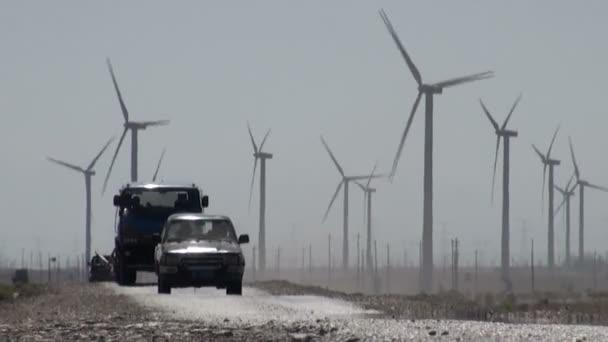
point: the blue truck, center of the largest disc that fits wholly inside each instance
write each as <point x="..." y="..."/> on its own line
<point x="141" y="212"/>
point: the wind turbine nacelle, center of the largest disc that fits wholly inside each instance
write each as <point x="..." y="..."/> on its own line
<point x="427" y="88"/>
<point x="509" y="133"/>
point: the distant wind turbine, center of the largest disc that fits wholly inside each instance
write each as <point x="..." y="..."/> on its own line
<point x="345" y="181"/>
<point x="134" y="126"/>
<point x="259" y="154"/>
<point x="551" y="163"/>
<point x="503" y="132"/>
<point x="88" y="174"/>
<point x="429" y="90"/>
<point x="582" y="184"/>
<point x="567" y="192"/>
<point x="367" y="204"/>
<point x="160" y="160"/>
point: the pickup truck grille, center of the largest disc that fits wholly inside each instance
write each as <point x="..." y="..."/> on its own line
<point x="203" y="260"/>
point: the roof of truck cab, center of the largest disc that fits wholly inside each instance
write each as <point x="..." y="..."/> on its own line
<point x="154" y="185"/>
<point x="196" y="216"/>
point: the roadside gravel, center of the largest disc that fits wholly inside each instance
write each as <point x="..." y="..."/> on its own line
<point x="97" y="313"/>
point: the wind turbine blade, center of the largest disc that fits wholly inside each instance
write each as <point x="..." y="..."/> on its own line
<point x="255" y="147"/>
<point x="371" y="175"/>
<point x="332" y="200"/>
<point x="105" y="182"/>
<point x="332" y="156"/>
<point x="542" y="156"/>
<point x="504" y="125"/>
<point x="160" y="160"/>
<point x="567" y="189"/>
<point x="576" y="170"/>
<point x="552" y="141"/>
<point x="407" y="128"/>
<point x="487" y="112"/>
<point x="68" y="165"/>
<point x="366" y="177"/>
<point x="561" y="191"/>
<point x="559" y="207"/>
<point x="264" y="140"/>
<point x="571" y="193"/>
<point x="154" y="123"/>
<point x="601" y="188"/>
<point x="125" y="112"/>
<point x="100" y="153"/>
<point x="404" y="53"/>
<point x="255" y="165"/>
<point x="495" y="163"/>
<point x="465" y="79"/>
<point x="361" y="186"/>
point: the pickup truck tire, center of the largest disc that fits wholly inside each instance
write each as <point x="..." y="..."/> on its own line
<point x="235" y="289"/>
<point x="163" y="285"/>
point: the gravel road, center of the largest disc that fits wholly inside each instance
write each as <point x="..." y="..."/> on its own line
<point x="107" y="312"/>
<point x="322" y="318"/>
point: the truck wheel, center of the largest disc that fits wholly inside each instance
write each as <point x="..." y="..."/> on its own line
<point x="235" y="289"/>
<point x="130" y="276"/>
<point x="163" y="285"/>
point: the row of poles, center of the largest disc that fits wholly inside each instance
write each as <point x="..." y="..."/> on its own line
<point x="50" y="269"/>
<point x="368" y="270"/>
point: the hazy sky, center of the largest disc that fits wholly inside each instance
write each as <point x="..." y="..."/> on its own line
<point x="302" y="69"/>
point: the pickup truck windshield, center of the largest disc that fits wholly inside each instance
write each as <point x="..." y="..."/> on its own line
<point x="200" y="230"/>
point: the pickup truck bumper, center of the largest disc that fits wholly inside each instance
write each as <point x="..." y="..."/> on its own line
<point x="186" y="276"/>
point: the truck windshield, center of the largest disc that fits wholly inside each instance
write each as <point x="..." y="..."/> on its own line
<point x="165" y="198"/>
<point x="200" y="230"/>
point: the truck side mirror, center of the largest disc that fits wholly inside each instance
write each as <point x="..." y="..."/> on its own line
<point x="243" y="238"/>
<point x="117" y="200"/>
<point x="205" y="201"/>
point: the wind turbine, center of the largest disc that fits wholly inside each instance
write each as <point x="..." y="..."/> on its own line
<point x="429" y="90"/>
<point x="367" y="204"/>
<point x="581" y="219"/>
<point x="258" y="153"/>
<point x="567" y="192"/>
<point x="88" y="174"/>
<point x="551" y="163"/>
<point x="345" y="181"/>
<point x="134" y="126"/>
<point x="160" y="160"/>
<point x="506" y="135"/>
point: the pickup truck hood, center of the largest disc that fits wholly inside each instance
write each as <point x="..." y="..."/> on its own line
<point x="201" y="247"/>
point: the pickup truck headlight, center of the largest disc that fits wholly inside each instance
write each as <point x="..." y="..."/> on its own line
<point x="234" y="259"/>
<point x="170" y="259"/>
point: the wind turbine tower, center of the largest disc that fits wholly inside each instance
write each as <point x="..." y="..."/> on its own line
<point x="88" y="174"/>
<point x="429" y="90"/>
<point x="506" y="135"/>
<point x="259" y="154"/>
<point x="549" y="163"/>
<point x="582" y="184"/>
<point x="367" y="203"/>
<point x="134" y="126"/>
<point x="567" y="192"/>
<point x="345" y="181"/>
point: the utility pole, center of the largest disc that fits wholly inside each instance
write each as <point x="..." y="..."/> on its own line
<point x="388" y="267"/>
<point x="329" y="260"/>
<point x="253" y="264"/>
<point x="279" y="261"/>
<point x="476" y="273"/>
<point x="358" y="260"/>
<point x="310" y="260"/>
<point x="532" y="266"/>
<point x="376" y="280"/>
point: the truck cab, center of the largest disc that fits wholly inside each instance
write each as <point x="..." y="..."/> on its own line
<point x="142" y="210"/>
